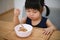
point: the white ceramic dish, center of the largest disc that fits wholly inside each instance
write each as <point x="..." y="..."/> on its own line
<point x="21" y="33"/>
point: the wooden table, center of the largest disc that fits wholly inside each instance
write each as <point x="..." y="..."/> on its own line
<point x="7" y="33"/>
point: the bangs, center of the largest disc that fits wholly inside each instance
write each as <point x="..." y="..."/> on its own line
<point x="32" y="4"/>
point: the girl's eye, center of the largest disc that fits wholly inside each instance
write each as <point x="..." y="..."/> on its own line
<point x="35" y="12"/>
<point x="28" y="11"/>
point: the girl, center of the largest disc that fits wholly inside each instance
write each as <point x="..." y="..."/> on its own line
<point x="34" y="9"/>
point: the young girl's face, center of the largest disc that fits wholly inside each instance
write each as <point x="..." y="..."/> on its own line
<point x="33" y="14"/>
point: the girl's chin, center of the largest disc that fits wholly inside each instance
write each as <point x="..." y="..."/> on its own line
<point x="32" y="18"/>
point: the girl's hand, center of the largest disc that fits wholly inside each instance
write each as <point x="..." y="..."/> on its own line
<point x="47" y="31"/>
<point x="16" y="12"/>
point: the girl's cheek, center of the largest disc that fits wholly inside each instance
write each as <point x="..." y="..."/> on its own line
<point x="28" y="15"/>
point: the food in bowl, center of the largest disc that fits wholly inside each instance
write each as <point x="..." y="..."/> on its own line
<point x="23" y="31"/>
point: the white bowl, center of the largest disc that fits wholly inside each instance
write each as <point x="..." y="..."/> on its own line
<point x="21" y="33"/>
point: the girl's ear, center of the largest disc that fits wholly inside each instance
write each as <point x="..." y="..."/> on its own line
<point x="41" y="10"/>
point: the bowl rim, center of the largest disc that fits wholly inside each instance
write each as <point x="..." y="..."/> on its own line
<point x="22" y="31"/>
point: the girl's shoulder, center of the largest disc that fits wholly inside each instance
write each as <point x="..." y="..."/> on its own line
<point x="44" y="19"/>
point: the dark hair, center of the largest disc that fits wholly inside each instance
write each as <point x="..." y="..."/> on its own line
<point x="47" y="10"/>
<point x="36" y="4"/>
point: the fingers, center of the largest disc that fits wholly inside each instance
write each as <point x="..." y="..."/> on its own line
<point x="46" y="32"/>
<point x="16" y="12"/>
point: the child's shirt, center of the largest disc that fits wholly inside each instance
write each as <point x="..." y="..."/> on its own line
<point x="41" y="24"/>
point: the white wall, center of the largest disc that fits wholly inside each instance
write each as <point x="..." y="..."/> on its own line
<point x="54" y="16"/>
<point x="53" y="3"/>
<point x="20" y="5"/>
<point x="6" y="5"/>
<point x="0" y="6"/>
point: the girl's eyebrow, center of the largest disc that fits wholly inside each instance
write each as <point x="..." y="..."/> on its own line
<point x="35" y="10"/>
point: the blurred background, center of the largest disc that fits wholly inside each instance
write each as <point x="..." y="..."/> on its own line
<point x="7" y="10"/>
<point x="54" y="16"/>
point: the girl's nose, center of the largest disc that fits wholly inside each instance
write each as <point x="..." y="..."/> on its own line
<point x="31" y="14"/>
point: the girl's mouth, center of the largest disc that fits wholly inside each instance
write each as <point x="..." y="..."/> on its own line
<point x="31" y="17"/>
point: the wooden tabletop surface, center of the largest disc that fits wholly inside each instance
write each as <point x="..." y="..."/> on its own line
<point x="7" y="33"/>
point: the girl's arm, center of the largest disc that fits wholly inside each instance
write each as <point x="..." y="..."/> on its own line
<point x="50" y="25"/>
<point x="50" y="28"/>
<point x="16" y="20"/>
